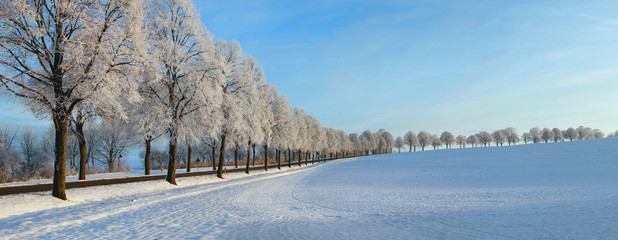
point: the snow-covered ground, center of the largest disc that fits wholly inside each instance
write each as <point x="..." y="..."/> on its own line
<point x="541" y="191"/>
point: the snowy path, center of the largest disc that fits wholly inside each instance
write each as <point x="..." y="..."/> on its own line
<point x="551" y="191"/>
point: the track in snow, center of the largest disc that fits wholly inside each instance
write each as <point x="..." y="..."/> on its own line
<point x="564" y="190"/>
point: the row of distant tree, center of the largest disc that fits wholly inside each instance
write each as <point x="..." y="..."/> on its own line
<point x="499" y="137"/>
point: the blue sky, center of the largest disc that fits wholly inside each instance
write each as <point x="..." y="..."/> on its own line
<point x="461" y="66"/>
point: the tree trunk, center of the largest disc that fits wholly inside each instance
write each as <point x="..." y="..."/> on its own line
<point x="289" y="158"/>
<point x="147" y="158"/>
<point x="82" y="150"/>
<point x="213" y="157"/>
<point x="236" y="157"/>
<point x="221" y="157"/>
<point x="248" y="157"/>
<point x="279" y="159"/>
<point x="60" y="122"/>
<point x="171" y="165"/>
<point x="299" y="157"/>
<point x="265" y="157"/>
<point x="253" y="146"/>
<point x="189" y="151"/>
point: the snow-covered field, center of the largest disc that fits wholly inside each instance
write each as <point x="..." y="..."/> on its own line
<point x="542" y="191"/>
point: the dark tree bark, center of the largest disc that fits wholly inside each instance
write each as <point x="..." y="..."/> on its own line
<point x="253" y="163"/>
<point x="265" y="157"/>
<point x="171" y="165"/>
<point x="235" y="157"/>
<point x="279" y="159"/>
<point x="213" y="157"/>
<point x="83" y="153"/>
<point x="221" y="157"/>
<point x="289" y="158"/>
<point x="300" y="153"/>
<point x="248" y="157"/>
<point x="60" y="170"/>
<point x="189" y="151"/>
<point x="147" y="157"/>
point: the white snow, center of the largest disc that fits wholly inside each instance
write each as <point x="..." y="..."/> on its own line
<point x="537" y="191"/>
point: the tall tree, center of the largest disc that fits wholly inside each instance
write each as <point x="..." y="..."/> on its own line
<point x="58" y="54"/>
<point x="182" y="83"/>
<point x="238" y="90"/>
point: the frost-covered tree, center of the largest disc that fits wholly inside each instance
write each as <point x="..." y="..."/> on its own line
<point x="584" y="133"/>
<point x="301" y="140"/>
<point x="485" y="138"/>
<point x="356" y="143"/>
<point x="557" y="137"/>
<point x="499" y="137"/>
<point x="55" y="55"/>
<point x="535" y="134"/>
<point x="526" y="137"/>
<point x="547" y="134"/>
<point x="399" y="144"/>
<point x="148" y="127"/>
<point x="597" y="133"/>
<point x="368" y="139"/>
<point x="238" y="89"/>
<point x="389" y="141"/>
<point x="253" y="127"/>
<point x="284" y="130"/>
<point x="473" y="140"/>
<point x="571" y="134"/>
<point x="461" y="141"/>
<point x="181" y="54"/>
<point x="512" y="137"/>
<point x="411" y="140"/>
<point x="447" y="138"/>
<point x="424" y="139"/>
<point x="435" y="141"/>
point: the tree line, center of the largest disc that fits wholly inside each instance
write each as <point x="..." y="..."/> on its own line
<point x="152" y="67"/>
<point x="499" y="137"/>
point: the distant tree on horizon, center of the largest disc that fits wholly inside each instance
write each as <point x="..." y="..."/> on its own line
<point x="461" y="141"/>
<point x="399" y="144"/>
<point x="512" y="137"/>
<point x="447" y="138"/>
<point x="547" y="135"/>
<point x="473" y="140"/>
<point x="499" y="137"/>
<point x="558" y="137"/>
<point x="424" y="139"/>
<point x="571" y="134"/>
<point x="435" y="141"/>
<point x="485" y="138"/>
<point x="535" y="135"/>
<point x="411" y="140"/>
